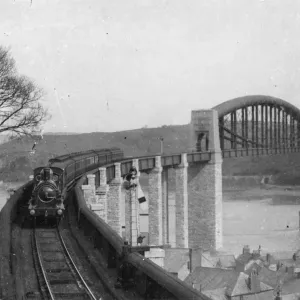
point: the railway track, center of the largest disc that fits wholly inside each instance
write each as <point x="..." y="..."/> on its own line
<point x="58" y="276"/>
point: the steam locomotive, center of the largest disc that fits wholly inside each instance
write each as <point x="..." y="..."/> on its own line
<point x="51" y="182"/>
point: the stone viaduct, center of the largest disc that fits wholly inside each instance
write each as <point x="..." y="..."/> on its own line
<point x="251" y="125"/>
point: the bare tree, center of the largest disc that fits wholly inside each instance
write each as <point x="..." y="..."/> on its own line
<point x="21" y="113"/>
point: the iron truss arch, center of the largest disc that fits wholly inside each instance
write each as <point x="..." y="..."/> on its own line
<point x="258" y="125"/>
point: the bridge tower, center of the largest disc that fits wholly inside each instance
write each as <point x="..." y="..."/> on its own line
<point x="205" y="183"/>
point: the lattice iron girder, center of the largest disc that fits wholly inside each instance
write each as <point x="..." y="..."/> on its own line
<point x="232" y="136"/>
<point x="265" y="124"/>
<point x="247" y="101"/>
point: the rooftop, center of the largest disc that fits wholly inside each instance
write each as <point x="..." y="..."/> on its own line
<point x="234" y="282"/>
<point x="238" y="286"/>
<point x="175" y="259"/>
<point x="220" y="261"/>
<point x="219" y="294"/>
<point x="210" y="278"/>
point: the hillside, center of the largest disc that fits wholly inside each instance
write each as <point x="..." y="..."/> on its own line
<point x="16" y="162"/>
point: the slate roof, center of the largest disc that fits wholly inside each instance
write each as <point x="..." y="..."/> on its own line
<point x="174" y="260"/>
<point x="265" y="275"/>
<point x="220" y="295"/>
<point x="216" y="281"/>
<point x="271" y="278"/>
<point x="227" y="261"/>
<point x="244" y="258"/>
<point x="210" y="278"/>
<point x="260" y="296"/>
<point x="221" y="261"/>
<point x="239" y="286"/>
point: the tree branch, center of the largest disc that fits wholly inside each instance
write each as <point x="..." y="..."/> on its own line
<point x="20" y="110"/>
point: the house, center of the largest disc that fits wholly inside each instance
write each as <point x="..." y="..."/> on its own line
<point x="221" y="284"/>
<point x="265" y="275"/>
<point x="246" y="259"/>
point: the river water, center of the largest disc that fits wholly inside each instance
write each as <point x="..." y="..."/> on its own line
<point x="260" y="222"/>
<point x="253" y="223"/>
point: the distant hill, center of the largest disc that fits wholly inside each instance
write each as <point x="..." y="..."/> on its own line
<point x="60" y="133"/>
<point x="16" y="162"/>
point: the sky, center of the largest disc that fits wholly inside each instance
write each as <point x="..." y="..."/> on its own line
<point x="111" y="65"/>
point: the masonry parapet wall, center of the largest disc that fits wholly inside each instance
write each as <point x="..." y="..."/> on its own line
<point x="9" y="284"/>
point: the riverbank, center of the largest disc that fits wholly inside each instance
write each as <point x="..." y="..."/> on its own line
<point x="275" y="194"/>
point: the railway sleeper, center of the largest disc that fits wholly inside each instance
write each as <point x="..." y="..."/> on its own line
<point x="50" y="247"/>
<point x="58" y="257"/>
<point x="68" y="288"/>
<point x="55" y="267"/>
<point x="73" y="296"/>
<point x="62" y="281"/>
<point x="60" y="276"/>
<point x="48" y="241"/>
<point x="46" y="234"/>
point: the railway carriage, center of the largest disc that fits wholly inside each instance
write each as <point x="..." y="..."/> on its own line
<point x="50" y="183"/>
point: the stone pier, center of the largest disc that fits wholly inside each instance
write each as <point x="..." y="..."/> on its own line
<point x="165" y="206"/>
<point x="132" y="217"/>
<point x="155" y="204"/>
<point x="181" y="191"/>
<point x="205" y="186"/>
<point x="114" y="198"/>
<point x="100" y="207"/>
<point x="89" y="190"/>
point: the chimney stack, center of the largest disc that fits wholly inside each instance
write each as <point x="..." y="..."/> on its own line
<point x="246" y="249"/>
<point x="253" y="282"/>
<point x="278" y="296"/>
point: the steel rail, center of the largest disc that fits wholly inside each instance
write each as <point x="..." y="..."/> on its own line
<point x="74" y="266"/>
<point x="69" y="261"/>
<point x="41" y="265"/>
